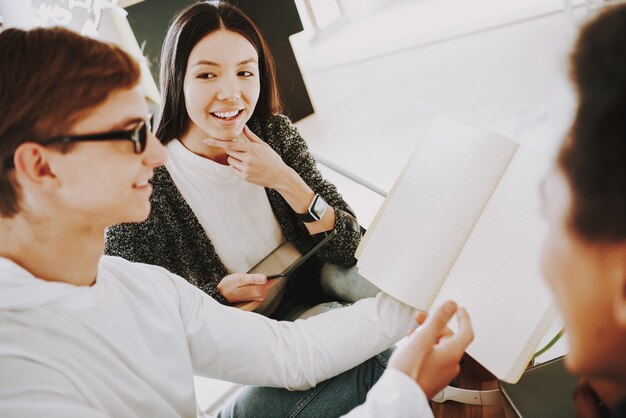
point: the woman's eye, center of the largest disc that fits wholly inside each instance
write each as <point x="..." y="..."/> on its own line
<point x="206" y="75"/>
<point x="245" y="74"/>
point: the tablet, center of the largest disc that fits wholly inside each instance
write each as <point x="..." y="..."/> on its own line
<point x="544" y="391"/>
<point x="285" y="260"/>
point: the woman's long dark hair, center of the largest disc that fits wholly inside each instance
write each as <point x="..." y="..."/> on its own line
<point x="188" y="28"/>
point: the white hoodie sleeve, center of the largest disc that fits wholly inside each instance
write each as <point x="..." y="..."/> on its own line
<point x="244" y="347"/>
<point x="395" y="395"/>
<point x="37" y="390"/>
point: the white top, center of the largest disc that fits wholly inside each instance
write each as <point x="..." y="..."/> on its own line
<point x="128" y="346"/>
<point x="236" y="215"/>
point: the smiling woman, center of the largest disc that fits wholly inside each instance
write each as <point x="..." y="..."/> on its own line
<point x="239" y="182"/>
<point x="240" y="179"/>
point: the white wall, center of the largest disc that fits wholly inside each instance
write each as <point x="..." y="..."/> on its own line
<point x="17" y="13"/>
<point x="113" y="27"/>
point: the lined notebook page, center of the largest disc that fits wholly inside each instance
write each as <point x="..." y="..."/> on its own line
<point x="497" y="277"/>
<point x="411" y="246"/>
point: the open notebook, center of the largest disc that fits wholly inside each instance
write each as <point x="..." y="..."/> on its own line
<point x="463" y="222"/>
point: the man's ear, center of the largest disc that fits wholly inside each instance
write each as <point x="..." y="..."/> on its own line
<point x="619" y="284"/>
<point x="33" y="165"/>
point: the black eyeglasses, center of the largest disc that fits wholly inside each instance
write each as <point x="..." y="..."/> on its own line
<point x="138" y="136"/>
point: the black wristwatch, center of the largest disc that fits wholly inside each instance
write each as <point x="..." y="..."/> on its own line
<point x="315" y="211"/>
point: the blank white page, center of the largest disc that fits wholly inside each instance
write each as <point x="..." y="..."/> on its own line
<point x="497" y="276"/>
<point x="423" y="224"/>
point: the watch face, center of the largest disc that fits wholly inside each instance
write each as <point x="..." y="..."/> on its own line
<point x="319" y="206"/>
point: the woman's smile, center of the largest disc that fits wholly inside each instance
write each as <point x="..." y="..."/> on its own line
<point x="228" y="118"/>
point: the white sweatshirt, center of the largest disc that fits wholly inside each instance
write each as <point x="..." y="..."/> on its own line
<point x="236" y="215"/>
<point x="128" y="346"/>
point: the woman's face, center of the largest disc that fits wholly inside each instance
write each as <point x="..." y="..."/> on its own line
<point x="221" y="86"/>
<point x="581" y="275"/>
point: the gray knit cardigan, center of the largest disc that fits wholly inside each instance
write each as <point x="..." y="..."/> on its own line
<point x="173" y="238"/>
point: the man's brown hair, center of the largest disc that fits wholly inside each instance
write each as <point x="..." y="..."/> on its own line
<point x="49" y="79"/>
<point x="594" y="156"/>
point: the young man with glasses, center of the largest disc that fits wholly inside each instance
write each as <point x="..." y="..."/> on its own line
<point x="137" y="135"/>
<point x="92" y="336"/>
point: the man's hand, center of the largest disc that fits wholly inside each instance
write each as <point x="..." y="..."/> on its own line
<point x="242" y="287"/>
<point x="431" y="356"/>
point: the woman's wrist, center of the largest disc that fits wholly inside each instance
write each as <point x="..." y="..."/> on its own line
<point x="299" y="196"/>
<point x="295" y="191"/>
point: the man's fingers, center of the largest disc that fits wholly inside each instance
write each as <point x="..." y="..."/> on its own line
<point x="460" y="340"/>
<point x="437" y="321"/>
<point x="421" y="317"/>
<point x="465" y="331"/>
<point x="447" y="332"/>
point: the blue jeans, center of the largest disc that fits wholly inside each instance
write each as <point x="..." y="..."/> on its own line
<point x="332" y="398"/>
<point x="342" y="284"/>
<point x="345" y="283"/>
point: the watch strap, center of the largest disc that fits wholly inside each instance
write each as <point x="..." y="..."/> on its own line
<point x="310" y="215"/>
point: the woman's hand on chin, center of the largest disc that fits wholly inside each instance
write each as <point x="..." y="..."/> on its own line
<point x="254" y="161"/>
